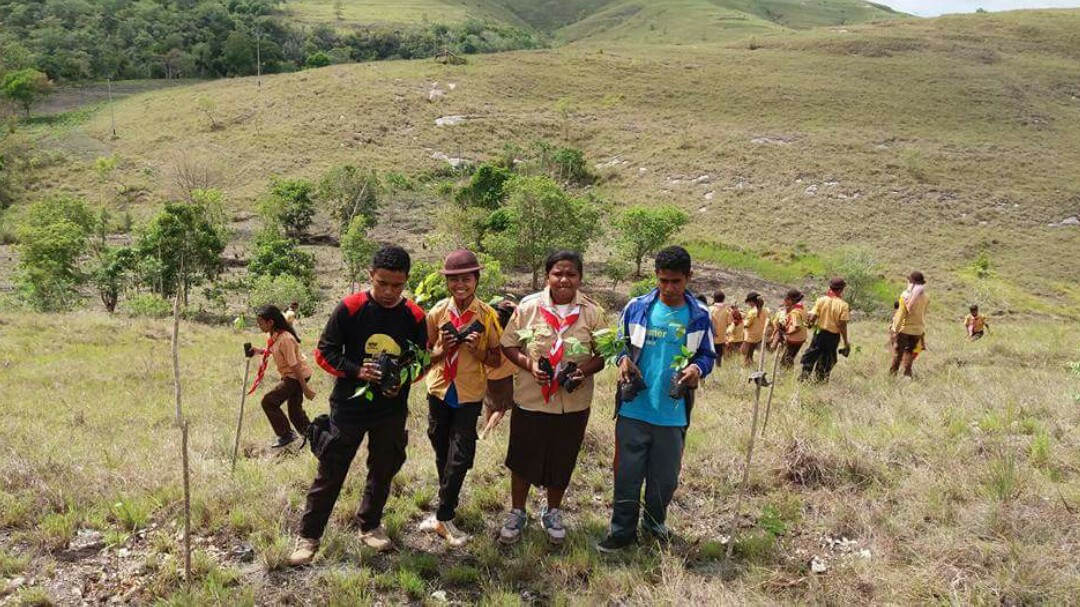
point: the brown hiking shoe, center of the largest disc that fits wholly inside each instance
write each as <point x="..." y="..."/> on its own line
<point x="305" y="551"/>
<point x="376" y="539"/>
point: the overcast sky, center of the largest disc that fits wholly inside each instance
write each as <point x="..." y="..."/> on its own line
<point x="930" y="8"/>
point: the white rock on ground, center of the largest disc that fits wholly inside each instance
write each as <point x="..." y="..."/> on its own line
<point x="449" y="121"/>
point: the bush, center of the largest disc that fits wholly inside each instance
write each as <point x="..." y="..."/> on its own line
<point x="53" y="236"/>
<point x="866" y="290"/>
<point x="281" y="291"/>
<point x="275" y="255"/>
<point x="643" y="286"/>
<point x="569" y="165"/>
<point x="357" y="249"/>
<point x="350" y="192"/>
<point x="486" y="188"/>
<point x="147" y="305"/>
<point x="289" y="205"/>
<point x="317" y="59"/>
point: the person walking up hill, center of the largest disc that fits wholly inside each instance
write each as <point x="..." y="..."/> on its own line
<point x="829" y="316"/>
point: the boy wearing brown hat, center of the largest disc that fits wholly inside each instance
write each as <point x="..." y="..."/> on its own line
<point x="830" y="316"/>
<point x="463" y="334"/>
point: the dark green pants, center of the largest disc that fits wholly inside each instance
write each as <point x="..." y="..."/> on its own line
<point x="650" y="455"/>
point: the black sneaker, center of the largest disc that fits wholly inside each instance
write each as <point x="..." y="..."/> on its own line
<point x="283" y="441"/>
<point x="612" y="544"/>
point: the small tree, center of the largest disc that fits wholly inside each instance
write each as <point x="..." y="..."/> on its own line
<point x="110" y="274"/>
<point x="357" y="250"/>
<point x="643" y="230"/>
<point x="289" y="205"/>
<point x="53" y="236"/>
<point x="26" y="87"/>
<point x="350" y="192"/>
<point x="863" y="273"/>
<point x="276" y="255"/>
<point x="186" y="245"/>
<point x="542" y="217"/>
<point x="317" y="59"/>
<point x="281" y="291"/>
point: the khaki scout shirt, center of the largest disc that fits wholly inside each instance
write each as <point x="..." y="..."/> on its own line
<point x="527" y="392"/>
<point x="471" y="379"/>
<point x="720" y="314"/>
<point x="830" y="311"/>
<point x="911" y="320"/>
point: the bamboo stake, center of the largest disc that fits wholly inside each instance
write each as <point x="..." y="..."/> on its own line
<point x="772" y="386"/>
<point x="758" y="378"/>
<point x="240" y="419"/>
<point x="183" y="426"/>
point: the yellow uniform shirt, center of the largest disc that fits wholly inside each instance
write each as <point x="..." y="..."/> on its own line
<point x="736" y="333"/>
<point x="720" y="314"/>
<point x="830" y="312"/>
<point x="795" y="324"/>
<point x="977" y="324"/>
<point x="528" y="317"/>
<point x="754" y="321"/>
<point x="471" y="379"/>
<point x="911" y="319"/>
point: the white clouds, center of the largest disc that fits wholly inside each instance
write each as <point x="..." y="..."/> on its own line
<point x="930" y="8"/>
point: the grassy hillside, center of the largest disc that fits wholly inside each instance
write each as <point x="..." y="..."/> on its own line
<point x="960" y="487"/>
<point x="375" y="12"/>
<point x="702" y="21"/>
<point x="930" y="142"/>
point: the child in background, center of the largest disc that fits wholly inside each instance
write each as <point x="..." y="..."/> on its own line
<point x="975" y="324"/>
<point x="736" y="333"/>
<point x="500" y="381"/>
<point x="755" y="321"/>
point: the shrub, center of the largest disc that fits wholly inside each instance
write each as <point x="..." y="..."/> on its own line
<point x="147" y="305"/>
<point x="569" y="165"/>
<point x="486" y="188"/>
<point x="281" y="291"/>
<point x="357" y="249"/>
<point x="350" y="192"/>
<point x="25" y="87"/>
<point x="317" y="59"/>
<point x="289" y="205"/>
<point x="53" y="236"/>
<point x="866" y="289"/>
<point x="643" y="286"/>
<point x="275" y="255"/>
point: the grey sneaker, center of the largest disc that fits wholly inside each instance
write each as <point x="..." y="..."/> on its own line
<point x="513" y="527"/>
<point x="551" y="519"/>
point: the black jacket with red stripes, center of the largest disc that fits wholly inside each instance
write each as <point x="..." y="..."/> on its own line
<point x="361" y="328"/>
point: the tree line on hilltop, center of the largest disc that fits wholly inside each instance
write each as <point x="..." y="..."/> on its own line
<point x="77" y="40"/>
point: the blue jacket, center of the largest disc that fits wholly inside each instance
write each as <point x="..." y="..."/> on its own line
<point x="699" y="335"/>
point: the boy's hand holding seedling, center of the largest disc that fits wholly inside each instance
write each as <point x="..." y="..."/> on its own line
<point x="628" y="371"/>
<point x="690" y="376"/>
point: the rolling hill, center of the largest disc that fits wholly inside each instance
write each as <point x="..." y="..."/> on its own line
<point x="933" y="142"/>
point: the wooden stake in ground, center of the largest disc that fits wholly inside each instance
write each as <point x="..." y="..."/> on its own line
<point x="760" y="381"/>
<point x="182" y="424"/>
<point x="772" y="386"/>
<point x="240" y="419"/>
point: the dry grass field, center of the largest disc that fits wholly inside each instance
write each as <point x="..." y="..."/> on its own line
<point x="961" y="487"/>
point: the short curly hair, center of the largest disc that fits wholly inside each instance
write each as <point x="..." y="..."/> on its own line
<point x="393" y="258"/>
<point x="675" y="259"/>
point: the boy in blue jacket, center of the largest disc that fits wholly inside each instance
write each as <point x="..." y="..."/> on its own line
<point x="670" y="352"/>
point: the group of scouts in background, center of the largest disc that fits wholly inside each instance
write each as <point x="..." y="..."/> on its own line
<point x="538" y="360"/>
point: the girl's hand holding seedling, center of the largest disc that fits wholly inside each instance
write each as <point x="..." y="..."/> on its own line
<point x="449" y="340"/>
<point x="541" y="376"/>
<point x="309" y="393"/>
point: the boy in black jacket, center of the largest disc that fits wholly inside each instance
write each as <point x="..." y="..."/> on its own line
<point x="363" y="328"/>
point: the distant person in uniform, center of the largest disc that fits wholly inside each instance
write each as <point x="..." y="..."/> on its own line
<point x="283" y="346"/>
<point x="791" y="329"/>
<point x="736" y="333"/>
<point x="720" y="315"/>
<point x="910" y="325"/>
<point x="975" y="324"/>
<point x="829" y="316"/>
<point x="755" y="320"/>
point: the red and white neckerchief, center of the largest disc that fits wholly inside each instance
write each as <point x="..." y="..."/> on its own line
<point x="264" y="362"/>
<point x="459" y="321"/>
<point x="559" y="324"/>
